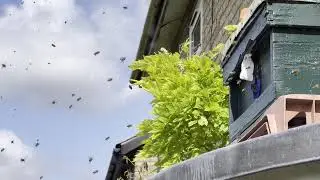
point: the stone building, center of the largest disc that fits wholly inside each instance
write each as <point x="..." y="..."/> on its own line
<point x="283" y="38"/>
<point x="171" y="22"/>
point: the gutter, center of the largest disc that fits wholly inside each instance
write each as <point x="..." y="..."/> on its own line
<point x="164" y="4"/>
<point x="120" y="150"/>
<point x="150" y="32"/>
<point x="115" y="164"/>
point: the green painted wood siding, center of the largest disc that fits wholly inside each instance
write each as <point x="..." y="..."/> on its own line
<point x="296" y="61"/>
<point x="289" y="59"/>
<point x="282" y="14"/>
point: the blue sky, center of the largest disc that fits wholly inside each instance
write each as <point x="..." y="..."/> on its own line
<point x="37" y="74"/>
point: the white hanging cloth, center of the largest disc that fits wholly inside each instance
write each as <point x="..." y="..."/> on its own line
<point x="247" y="67"/>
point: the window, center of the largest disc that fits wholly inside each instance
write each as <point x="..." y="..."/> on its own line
<point x="195" y="29"/>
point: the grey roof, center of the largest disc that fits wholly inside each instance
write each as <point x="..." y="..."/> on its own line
<point x="296" y="146"/>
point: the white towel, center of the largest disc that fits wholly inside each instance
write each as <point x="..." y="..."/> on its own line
<point x="247" y="67"/>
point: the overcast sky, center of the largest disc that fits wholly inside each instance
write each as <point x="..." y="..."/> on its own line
<point x="47" y="47"/>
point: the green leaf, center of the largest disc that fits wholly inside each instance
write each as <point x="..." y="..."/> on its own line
<point x="185" y="47"/>
<point x="198" y="103"/>
<point x="196" y="113"/>
<point x="203" y="121"/>
<point x="189" y="106"/>
<point x="191" y="123"/>
<point x="224" y="128"/>
<point x="230" y="28"/>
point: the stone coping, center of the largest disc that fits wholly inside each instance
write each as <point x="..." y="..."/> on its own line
<point x="295" y="146"/>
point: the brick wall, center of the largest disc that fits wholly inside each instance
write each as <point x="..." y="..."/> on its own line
<point x="216" y="15"/>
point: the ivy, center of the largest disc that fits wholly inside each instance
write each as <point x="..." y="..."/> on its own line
<point x="230" y="28"/>
<point x="190" y="105"/>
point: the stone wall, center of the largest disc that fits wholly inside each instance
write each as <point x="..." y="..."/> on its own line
<point x="290" y="155"/>
<point x="145" y="168"/>
<point x="216" y="15"/>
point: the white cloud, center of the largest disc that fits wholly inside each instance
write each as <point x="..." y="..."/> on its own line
<point x="38" y="73"/>
<point x="10" y="166"/>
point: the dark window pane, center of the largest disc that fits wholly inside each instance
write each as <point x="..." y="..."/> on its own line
<point x="196" y="36"/>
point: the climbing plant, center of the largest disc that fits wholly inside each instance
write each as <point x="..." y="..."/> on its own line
<point x="230" y="28"/>
<point x="140" y="171"/>
<point x="190" y="105"/>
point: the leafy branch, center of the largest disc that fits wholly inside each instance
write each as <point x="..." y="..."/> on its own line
<point x="230" y="29"/>
<point x="190" y="105"/>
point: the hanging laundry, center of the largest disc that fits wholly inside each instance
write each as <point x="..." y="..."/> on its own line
<point x="256" y="86"/>
<point x="247" y="67"/>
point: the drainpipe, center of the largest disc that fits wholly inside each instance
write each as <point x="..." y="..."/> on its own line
<point x="155" y="35"/>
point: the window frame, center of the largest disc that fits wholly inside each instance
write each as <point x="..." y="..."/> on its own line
<point x="197" y="14"/>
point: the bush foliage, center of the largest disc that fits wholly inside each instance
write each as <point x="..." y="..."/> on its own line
<point x="190" y="105"/>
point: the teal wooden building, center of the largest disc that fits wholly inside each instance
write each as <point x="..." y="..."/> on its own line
<point x="280" y="43"/>
<point x="283" y="39"/>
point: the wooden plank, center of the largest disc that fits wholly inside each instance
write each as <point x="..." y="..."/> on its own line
<point x="296" y="54"/>
<point x="300" y="48"/>
<point x="296" y="61"/>
<point x="306" y="15"/>
<point x="306" y="82"/>
<point x="252" y="113"/>
<point x="232" y="112"/>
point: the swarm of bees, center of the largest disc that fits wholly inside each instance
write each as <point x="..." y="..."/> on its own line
<point x="96" y="53"/>
<point x="55" y="101"/>
<point x="37" y="143"/>
<point x="122" y="59"/>
<point x="90" y="159"/>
